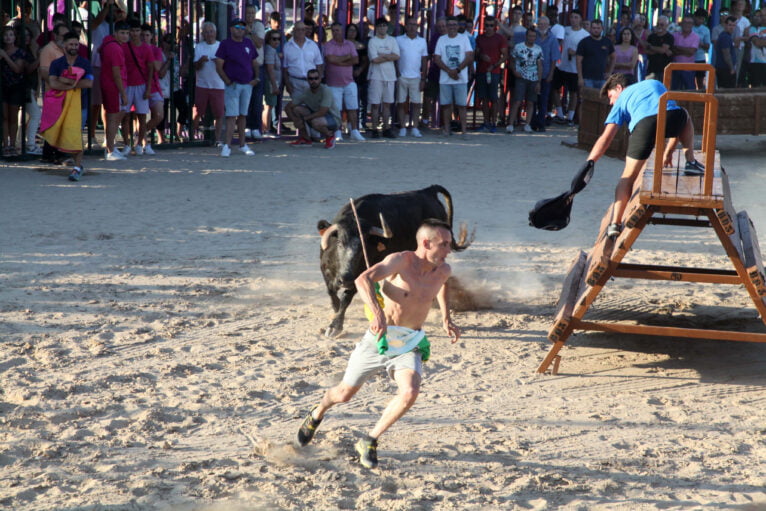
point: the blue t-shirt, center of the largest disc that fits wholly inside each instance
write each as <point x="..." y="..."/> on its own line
<point x="60" y="65"/>
<point x="638" y="101"/>
<point x="595" y="54"/>
<point x="724" y="41"/>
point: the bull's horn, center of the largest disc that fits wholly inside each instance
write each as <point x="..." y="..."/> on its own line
<point x="326" y="236"/>
<point x="383" y="231"/>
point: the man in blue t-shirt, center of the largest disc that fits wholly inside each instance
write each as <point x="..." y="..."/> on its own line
<point x="726" y="55"/>
<point x="637" y="106"/>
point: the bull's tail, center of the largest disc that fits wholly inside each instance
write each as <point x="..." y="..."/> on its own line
<point x="463" y="239"/>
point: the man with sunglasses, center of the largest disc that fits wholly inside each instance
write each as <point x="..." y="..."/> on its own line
<point x="316" y="109"/>
<point x="237" y="65"/>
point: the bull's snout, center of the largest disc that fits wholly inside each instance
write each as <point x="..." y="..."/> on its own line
<point x="346" y="284"/>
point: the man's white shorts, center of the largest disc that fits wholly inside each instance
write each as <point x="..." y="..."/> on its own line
<point x="346" y="97"/>
<point x="136" y="98"/>
<point x="379" y="92"/>
<point x="408" y="87"/>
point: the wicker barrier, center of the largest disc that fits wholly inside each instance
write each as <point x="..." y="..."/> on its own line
<point x="740" y="112"/>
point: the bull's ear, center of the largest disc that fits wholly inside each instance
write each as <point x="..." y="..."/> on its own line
<point x="322" y="226"/>
<point x="381" y="247"/>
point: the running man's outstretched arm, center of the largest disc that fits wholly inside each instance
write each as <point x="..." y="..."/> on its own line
<point x="452" y="330"/>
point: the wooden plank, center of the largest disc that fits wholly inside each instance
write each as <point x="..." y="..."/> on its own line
<point x="726" y="214"/>
<point x="676" y="274"/>
<point x="569" y="293"/>
<point x="668" y="331"/>
<point x="552" y="353"/>
<point x="678" y="189"/>
<point x="751" y="252"/>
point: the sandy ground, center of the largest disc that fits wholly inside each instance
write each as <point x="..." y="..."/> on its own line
<point x="160" y="342"/>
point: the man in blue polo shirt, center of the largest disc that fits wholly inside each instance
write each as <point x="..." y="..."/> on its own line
<point x="637" y="106"/>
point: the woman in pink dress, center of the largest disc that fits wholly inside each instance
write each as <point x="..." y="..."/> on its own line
<point x="626" y="55"/>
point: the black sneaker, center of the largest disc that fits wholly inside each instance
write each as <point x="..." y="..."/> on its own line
<point x="375" y="134"/>
<point x="308" y="428"/>
<point x="694" y="168"/>
<point x="389" y="133"/>
<point x="368" y="452"/>
<point x="613" y="230"/>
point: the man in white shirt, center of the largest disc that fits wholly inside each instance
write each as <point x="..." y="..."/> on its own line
<point x="382" y="51"/>
<point x="453" y="56"/>
<point x="566" y="69"/>
<point x="209" y="85"/>
<point x="301" y="54"/>
<point x="413" y="59"/>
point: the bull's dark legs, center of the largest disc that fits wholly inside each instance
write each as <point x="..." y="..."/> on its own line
<point x="336" y="327"/>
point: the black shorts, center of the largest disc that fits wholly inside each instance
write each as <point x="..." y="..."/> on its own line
<point x="15" y="95"/>
<point x="641" y="142"/>
<point x="568" y="80"/>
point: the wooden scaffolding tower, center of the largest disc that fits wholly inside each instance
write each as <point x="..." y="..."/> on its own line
<point x="664" y="196"/>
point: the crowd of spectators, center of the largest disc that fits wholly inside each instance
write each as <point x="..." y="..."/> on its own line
<point x="357" y="80"/>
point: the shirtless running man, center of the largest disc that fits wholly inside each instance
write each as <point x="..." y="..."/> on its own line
<point x="409" y="283"/>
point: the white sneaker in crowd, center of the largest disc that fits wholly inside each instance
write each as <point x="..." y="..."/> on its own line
<point x="246" y="149"/>
<point x="35" y="149"/>
<point x="402" y="132"/>
<point x="355" y="135"/>
<point x="338" y="135"/>
<point x="115" y="156"/>
<point x="528" y="128"/>
<point x="225" y="151"/>
<point x="509" y="128"/>
<point x="416" y="133"/>
<point x="93" y="143"/>
<point x="125" y="150"/>
<point x="139" y="150"/>
<point x="256" y="134"/>
<point x="248" y="132"/>
<point x="148" y="149"/>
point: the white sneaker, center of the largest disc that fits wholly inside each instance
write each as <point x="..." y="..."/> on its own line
<point x="416" y="133"/>
<point x="125" y="150"/>
<point x="248" y="132"/>
<point x="93" y="143"/>
<point x="225" y="151"/>
<point x="256" y="134"/>
<point x="509" y="128"/>
<point x="355" y="135"/>
<point x="115" y="156"/>
<point x="246" y="149"/>
<point x="36" y="150"/>
<point x="139" y="150"/>
<point x="402" y="132"/>
<point x="148" y="149"/>
<point x="338" y="136"/>
<point x="528" y="128"/>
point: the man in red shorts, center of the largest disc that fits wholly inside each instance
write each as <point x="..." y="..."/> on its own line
<point x="114" y="79"/>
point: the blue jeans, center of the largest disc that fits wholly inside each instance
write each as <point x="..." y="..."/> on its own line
<point x="542" y="103"/>
<point x="683" y="80"/>
<point x="255" y="109"/>
<point x="596" y="84"/>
